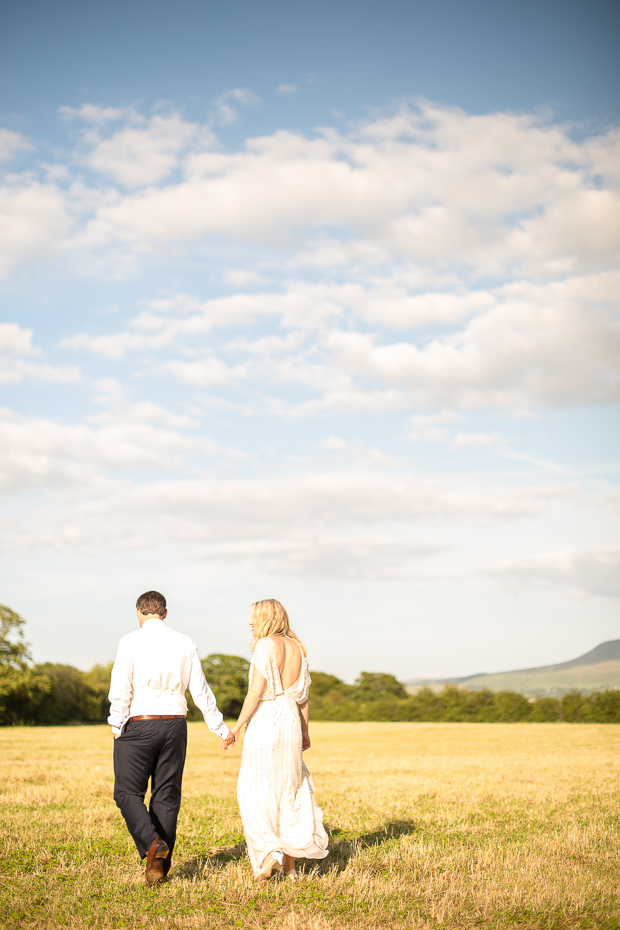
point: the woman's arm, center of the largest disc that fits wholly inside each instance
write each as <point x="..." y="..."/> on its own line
<point x="251" y="702"/>
<point x="304" y="713"/>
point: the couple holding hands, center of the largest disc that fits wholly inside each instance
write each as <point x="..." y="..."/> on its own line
<point x="153" y="669"/>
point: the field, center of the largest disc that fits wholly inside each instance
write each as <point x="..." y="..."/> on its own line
<point x="432" y="825"/>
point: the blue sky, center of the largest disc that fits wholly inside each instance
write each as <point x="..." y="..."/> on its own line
<point x="316" y="303"/>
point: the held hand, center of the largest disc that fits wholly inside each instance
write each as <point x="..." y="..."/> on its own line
<point x="230" y="740"/>
<point x="305" y="741"/>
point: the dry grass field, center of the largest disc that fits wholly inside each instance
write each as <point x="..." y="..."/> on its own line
<point x="432" y="826"/>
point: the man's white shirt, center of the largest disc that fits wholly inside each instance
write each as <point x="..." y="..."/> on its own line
<point x="154" y="667"/>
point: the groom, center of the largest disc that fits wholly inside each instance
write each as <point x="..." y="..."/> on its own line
<point x="154" y="667"/>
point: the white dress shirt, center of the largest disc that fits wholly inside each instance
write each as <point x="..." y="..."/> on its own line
<point x="154" y="667"/>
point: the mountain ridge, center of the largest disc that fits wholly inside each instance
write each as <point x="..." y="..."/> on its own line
<point x="594" y="670"/>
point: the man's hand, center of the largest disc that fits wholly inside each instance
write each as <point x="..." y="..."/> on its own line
<point x="305" y="740"/>
<point x="229" y="740"/>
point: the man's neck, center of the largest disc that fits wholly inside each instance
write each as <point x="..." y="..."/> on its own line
<point x="151" y="620"/>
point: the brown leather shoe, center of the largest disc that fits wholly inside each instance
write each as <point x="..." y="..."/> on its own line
<point x="158" y="850"/>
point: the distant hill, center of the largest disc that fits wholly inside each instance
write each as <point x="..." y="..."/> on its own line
<point x="593" y="671"/>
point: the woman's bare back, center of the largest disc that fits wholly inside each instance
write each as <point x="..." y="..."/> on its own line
<point x="288" y="658"/>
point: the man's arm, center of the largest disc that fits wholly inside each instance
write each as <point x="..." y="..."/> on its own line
<point x="204" y="699"/>
<point x="121" y="688"/>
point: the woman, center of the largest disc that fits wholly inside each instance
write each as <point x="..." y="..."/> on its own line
<point x="281" y="820"/>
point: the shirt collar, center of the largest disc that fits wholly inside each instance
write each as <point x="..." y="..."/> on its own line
<point x="153" y="624"/>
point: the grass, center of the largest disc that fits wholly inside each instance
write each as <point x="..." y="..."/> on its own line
<point x="432" y="826"/>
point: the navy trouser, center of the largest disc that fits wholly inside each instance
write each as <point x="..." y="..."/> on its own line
<point x="152" y="749"/>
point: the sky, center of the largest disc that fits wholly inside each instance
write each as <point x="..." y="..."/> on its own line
<point x="316" y="302"/>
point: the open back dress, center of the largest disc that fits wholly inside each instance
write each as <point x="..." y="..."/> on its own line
<point x="275" y="790"/>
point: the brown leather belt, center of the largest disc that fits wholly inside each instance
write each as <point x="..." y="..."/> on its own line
<point x="158" y="717"/>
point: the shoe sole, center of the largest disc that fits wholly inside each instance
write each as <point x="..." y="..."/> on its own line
<point x="157" y="867"/>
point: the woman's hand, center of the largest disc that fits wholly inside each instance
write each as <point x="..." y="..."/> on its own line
<point x="230" y="740"/>
<point x="304" y="715"/>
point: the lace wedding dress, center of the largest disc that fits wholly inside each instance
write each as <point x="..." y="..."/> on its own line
<point x="275" y="790"/>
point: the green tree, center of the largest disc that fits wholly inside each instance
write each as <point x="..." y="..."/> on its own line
<point x="603" y="707"/>
<point x="379" y="683"/>
<point x="70" y="699"/>
<point x="324" y="684"/>
<point x="13" y="650"/>
<point x="572" y="705"/>
<point x="331" y="698"/>
<point x="427" y="704"/>
<point x="511" y="707"/>
<point x="22" y="689"/>
<point x="545" y="710"/>
<point x="228" y="678"/>
<point x="97" y="681"/>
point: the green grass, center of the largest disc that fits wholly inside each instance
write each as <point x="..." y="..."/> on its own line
<point x="432" y="825"/>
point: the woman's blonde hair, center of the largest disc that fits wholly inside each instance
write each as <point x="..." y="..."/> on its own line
<point x="271" y="619"/>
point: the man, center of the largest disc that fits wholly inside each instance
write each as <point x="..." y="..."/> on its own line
<point x="154" y="667"/>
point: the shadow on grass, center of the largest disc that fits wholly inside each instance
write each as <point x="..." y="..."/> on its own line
<point x="344" y="845"/>
<point x="216" y="861"/>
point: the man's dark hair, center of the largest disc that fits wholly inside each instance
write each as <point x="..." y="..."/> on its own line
<point x="152" y="603"/>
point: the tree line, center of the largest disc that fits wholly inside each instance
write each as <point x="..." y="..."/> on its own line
<point x="55" y="694"/>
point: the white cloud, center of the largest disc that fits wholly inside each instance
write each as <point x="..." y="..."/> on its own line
<point x="602" y="154"/>
<point x="242" y="277"/>
<point x="98" y="115"/>
<point x="348" y="398"/>
<point x="143" y="413"/>
<point x="16" y="340"/>
<point x="334" y="443"/>
<point x="33" y="221"/>
<point x="495" y="195"/>
<point x="226" y="112"/>
<point x="556" y="343"/>
<point x="295" y="511"/>
<point x="348" y="558"/>
<point x="431" y="427"/>
<point x="37" y="452"/>
<point x="516" y="346"/>
<point x="207" y="372"/>
<point x="11" y="143"/>
<point x="288" y="89"/>
<point x="113" y="346"/>
<point x="476" y="440"/>
<point x="16" y="371"/>
<point x="392" y="305"/>
<point x="490" y="193"/>
<point x="582" y="571"/>
<point x="502" y="195"/>
<point x="267" y="346"/>
<point x="184" y="317"/>
<point x="137" y="156"/>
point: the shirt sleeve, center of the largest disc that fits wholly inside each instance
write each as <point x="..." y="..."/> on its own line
<point x="121" y="687"/>
<point x="204" y="699"/>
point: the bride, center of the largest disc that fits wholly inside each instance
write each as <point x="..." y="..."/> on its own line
<point x="281" y="819"/>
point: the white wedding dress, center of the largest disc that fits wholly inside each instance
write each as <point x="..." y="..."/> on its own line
<point x="275" y="790"/>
